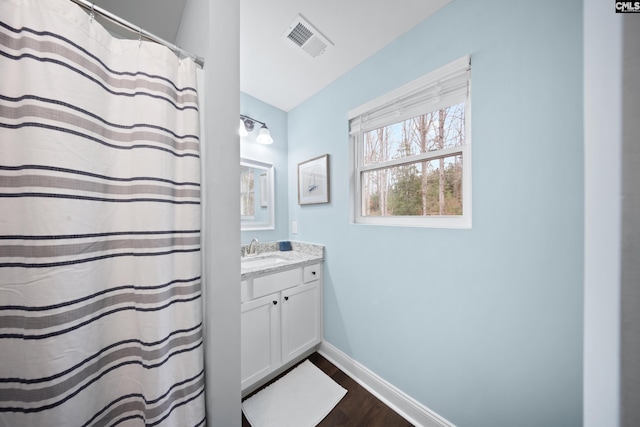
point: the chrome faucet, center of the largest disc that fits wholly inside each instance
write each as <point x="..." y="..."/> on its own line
<point x="252" y="246"/>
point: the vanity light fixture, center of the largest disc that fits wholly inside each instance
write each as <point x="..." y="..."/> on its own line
<point x="247" y="124"/>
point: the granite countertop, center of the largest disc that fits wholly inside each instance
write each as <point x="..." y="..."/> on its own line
<point x="302" y="254"/>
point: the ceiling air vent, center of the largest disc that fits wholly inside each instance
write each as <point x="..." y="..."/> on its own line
<point x="305" y="36"/>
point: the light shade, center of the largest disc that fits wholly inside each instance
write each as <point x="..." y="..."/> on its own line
<point x="242" y="130"/>
<point x="264" y="136"/>
<point x="248" y="124"/>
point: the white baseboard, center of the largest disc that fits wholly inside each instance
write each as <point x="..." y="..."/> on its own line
<point x="410" y="409"/>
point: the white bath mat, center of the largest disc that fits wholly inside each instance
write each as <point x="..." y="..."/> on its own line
<point x="302" y="398"/>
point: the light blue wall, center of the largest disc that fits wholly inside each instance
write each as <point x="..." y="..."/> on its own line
<point x="483" y="326"/>
<point x="276" y="154"/>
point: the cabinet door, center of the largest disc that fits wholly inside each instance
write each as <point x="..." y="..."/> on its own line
<point x="260" y="340"/>
<point x="300" y="319"/>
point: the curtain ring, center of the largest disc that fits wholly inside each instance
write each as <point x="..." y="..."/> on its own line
<point x="92" y="13"/>
<point x="139" y="37"/>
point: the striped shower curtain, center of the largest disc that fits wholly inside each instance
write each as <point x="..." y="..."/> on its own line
<point x="100" y="293"/>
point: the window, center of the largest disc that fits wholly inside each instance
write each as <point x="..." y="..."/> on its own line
<point x="412" y="153"/>
<point x="247" y="203"/>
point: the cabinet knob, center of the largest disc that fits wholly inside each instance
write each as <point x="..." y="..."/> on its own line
<point x="313" y="272"/>
<point x="286" y="298"/>
<point x="275" y="303"/>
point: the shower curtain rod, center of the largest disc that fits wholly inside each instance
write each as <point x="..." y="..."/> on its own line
<point x="129" y="26"/>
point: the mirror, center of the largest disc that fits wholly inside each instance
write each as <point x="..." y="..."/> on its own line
<point x="257" y="210"/>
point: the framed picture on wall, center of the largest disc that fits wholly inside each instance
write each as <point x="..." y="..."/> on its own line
<point x="313" y="181"/>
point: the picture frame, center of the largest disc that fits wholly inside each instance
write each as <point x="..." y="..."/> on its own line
<point x="313" y="181"/>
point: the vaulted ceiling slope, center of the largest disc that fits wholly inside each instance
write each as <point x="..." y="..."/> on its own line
<point x="272" y="68"/>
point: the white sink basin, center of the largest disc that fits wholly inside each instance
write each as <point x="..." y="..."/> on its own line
<point x="261" y="262"/>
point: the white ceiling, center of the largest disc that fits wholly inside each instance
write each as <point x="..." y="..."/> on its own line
<point x="271" y="69"/>
<point x="278" y="74"/>
<point x="158" y="17"/>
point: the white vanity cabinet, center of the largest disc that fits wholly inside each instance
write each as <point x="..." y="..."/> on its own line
<point x="259" y="338"/>
<point x="281" y="319"/>
<point x="301" y="316"/>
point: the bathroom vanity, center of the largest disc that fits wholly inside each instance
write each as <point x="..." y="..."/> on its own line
<point x="281" y="309"/>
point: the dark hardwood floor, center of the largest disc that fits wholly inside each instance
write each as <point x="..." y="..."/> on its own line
<point x="357" y="408"/>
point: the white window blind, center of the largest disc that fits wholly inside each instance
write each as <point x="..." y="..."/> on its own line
<point x="448" y="85"/>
